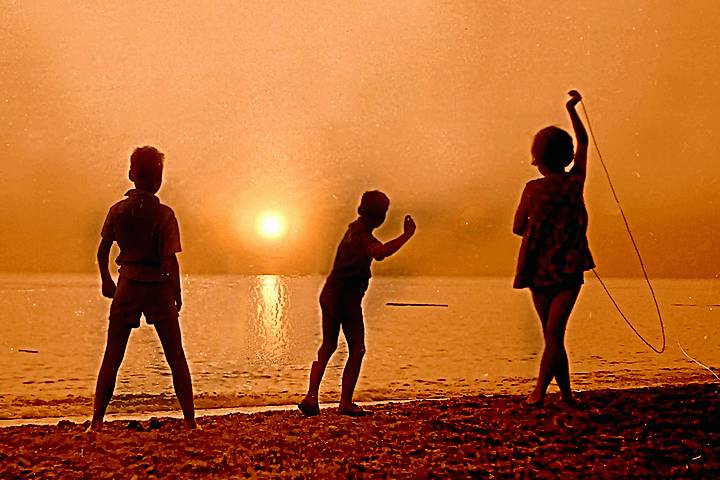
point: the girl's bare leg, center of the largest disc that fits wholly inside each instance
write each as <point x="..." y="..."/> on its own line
<point x="554" y="361"/>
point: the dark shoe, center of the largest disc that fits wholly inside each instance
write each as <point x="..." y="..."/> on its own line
<point x="570" y="402"/>
<point x="353" y="410"/>
<point x="309" y="408"/>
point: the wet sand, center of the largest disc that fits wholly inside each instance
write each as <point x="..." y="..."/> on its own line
<point x="660" y="432"/>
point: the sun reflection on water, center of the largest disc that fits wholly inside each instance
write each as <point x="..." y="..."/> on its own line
<point x="269" y="294"/>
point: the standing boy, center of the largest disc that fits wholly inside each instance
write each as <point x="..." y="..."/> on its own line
<point x="149" y="283"/>
<point x="341" y="298"/>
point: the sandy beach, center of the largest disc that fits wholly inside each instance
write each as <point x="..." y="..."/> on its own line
<point x="661" y="432"/>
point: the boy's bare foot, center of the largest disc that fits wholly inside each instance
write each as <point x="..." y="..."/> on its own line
<point x="309" y="407"/>
<point x="352" y="410"/>
<point x="535" y="399"/>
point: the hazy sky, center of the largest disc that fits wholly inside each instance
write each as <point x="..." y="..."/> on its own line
<point x="302" y="106"/>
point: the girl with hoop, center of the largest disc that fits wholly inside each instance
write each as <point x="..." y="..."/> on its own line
<point x="554" y="253"/>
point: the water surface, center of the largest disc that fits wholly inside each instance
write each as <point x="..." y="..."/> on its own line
<point x="250" y="340"/>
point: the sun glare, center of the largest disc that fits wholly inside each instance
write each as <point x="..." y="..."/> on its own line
<point x="271" y="225"/>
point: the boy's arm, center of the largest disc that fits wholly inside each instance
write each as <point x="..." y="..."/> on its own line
<point x="103" y="259"/>
<point x="521" y="214"/>
<point x="171" y="270"/>
<point x="580" y="163"/>
<point x="170" y="245"/>
<point x="383" y="250"/>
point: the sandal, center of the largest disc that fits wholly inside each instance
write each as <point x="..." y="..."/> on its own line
<point x="353" y="410"/>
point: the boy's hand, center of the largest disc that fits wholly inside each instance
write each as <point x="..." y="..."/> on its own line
<point x="575" y="98"/>
<point x="409" y="226"/>
<point x="178" y="301"/>
<point x="108" y="288"/>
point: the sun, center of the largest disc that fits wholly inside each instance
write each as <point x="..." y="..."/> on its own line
<point x="271" y="224"/>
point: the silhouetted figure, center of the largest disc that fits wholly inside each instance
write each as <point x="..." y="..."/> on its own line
<point x="341" y="298"/>
<point x="554" y="254"/>
<point x="149" y="283"/>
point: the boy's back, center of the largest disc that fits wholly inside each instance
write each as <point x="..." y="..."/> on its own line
<point x="145" y="230"/>
<point x="354" y="255"/>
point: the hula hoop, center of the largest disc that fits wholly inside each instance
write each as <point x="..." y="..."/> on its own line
<point x="637" y="253"/>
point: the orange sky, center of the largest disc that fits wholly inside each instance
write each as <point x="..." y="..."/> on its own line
<point x="301" y="107"/>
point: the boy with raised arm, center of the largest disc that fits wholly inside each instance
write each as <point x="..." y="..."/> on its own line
<point x="149" y="283"/>
<point x="341" y="299"/>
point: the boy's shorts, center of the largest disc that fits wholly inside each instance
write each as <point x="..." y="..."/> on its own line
<point x="155" y="300"/>
<point x="341" y="305"/>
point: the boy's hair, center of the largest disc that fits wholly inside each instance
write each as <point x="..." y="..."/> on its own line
<point x="553" y="148"/>
<point x="373" y="204"/>
<point x="146" y="163"/>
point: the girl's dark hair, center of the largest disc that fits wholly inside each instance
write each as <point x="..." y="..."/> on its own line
<point x="552" y="148"/>
<point x="373" y="204"/>
<point x="146" y="163"/>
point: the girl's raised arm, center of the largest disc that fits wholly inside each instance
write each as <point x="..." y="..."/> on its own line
<point x="580" y="162"/>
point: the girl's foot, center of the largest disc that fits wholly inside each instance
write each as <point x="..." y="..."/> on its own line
<point x="352" y="410"/>
<point x="95" y="427"/>
<point x="309" y="407"/>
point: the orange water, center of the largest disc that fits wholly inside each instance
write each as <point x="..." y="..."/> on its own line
<point x="250" y="339"/>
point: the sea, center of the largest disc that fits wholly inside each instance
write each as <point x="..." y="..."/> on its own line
<point x="250" y="340"/>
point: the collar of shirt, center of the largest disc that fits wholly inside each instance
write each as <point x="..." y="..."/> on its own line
<point x="136" y="192"/>
<point x="361" y="224"/>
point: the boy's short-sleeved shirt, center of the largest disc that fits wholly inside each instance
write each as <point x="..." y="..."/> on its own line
<point x="354" y="256"/>
<point x="145" y="230"/>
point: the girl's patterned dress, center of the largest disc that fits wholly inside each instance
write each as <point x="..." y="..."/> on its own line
<point x="554" y="250"/>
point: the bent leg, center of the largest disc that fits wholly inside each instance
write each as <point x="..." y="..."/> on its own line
<point x="557" y="324"/>
<point x="117" y="339"/>
<point x="542" y="301"/>
<point x="171" y="340"/>
<point x="554" y="361"/>
<point x="354" y="330"/>
<point x="331" y="331"/>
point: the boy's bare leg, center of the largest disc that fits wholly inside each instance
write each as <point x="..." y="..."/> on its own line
<point x="331" y="331"/>
<point x="117" y="339"/>
<point x="171" y="340"/>
<point x="554" y="359"/>
<point x="354" y="331"/>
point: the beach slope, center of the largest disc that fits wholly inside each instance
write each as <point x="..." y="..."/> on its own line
<point x="661" y="432"/>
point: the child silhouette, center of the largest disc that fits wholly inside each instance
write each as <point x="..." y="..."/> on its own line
<point x="341" y="298"/>
<point x="554" y="253"/>
<point x="149" y="283"/>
